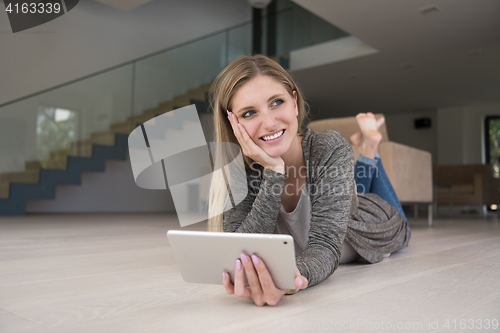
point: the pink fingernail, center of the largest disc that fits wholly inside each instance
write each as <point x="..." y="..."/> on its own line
<point x="255" y="260"/>
<point x="228" y="115"/>
<point x="223" y="276"/>
<point x="244" y="258"/>
<point x="238" y="265"/>
<point x="301" y="282"/>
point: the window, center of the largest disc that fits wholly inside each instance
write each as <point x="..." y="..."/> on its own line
<point x="492" y="143"/>
<point x="56" y="129"/>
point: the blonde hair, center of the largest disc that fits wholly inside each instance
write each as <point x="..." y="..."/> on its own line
<point x="222" y="91"/>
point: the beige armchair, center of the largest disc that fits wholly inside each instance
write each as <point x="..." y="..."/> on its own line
<point x="409" y="169"/>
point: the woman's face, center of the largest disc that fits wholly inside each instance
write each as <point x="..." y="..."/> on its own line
<point x="268" y="113"/>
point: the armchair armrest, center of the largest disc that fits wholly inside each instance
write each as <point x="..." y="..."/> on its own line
<point x="409" y="170"/>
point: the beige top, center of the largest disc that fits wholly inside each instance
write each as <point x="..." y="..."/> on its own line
<point x="297" y="224"/>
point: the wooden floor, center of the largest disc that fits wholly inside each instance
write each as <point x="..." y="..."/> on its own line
<point x="116" y="273"/>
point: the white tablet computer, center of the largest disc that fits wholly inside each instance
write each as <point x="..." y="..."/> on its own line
<point x="203" y="256"/>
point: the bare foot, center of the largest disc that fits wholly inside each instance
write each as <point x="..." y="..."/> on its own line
<point x="368" y="139"/>
<point x="357" y="139"/>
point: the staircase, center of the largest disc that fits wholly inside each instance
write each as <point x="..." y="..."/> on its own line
<point x="65" y="167"/>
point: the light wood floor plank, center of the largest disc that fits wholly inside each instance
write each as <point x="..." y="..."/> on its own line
<point x="116" y="273"/>
<point x="10" y="322"/>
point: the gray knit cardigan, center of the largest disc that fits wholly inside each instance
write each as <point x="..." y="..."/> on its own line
<point x="368" y="223"/>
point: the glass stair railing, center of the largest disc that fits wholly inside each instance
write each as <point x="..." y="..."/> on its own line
<point x="49" y="138"/>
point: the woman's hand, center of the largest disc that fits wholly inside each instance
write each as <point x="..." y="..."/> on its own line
<point x="252" y="150"/>
<point x="261" y="287"/>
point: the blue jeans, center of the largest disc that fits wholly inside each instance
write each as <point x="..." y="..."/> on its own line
<point x="370" y="177"/>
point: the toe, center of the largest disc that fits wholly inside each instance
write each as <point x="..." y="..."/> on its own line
<point x="380" y="121"/>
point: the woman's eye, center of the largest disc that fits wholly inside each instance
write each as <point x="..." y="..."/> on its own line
<point x="247" y="114"/>
<point x="279" y="101"/>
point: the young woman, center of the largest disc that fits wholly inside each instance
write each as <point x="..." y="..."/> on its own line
<point x="300" y="182"/>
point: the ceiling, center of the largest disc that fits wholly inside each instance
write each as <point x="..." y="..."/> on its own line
<point x="125" y="5"/>
<point x="447" y="58"/>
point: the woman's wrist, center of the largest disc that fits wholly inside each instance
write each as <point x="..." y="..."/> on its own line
<point x="279" y="168"/>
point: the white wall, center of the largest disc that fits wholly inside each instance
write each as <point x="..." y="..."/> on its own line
<point x="401" y="129"/>
<point x="456" y="135"/>
<point x="461" y="136"/>
<point x="450" y="136"/>
<point x="93" y="37"/>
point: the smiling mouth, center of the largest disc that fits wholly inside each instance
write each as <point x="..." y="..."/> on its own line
<point x="273" y="137"/>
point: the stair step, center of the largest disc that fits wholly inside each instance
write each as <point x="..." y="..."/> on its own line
<point x="33" y="165"/>
<point x="201" y="107"/>
<point x="23" y="192"/>
<point x="125" y="127"/>
<point x="81" y="148"/>
<point x="198" y="95"/>
<point x="202" y="88"/>
<point x="140" y="119"/>
<point x="181" y="101"/>
<point x="25" y="177"/>
<point x="177" y="102"/>
<point x="11" y="207"/>
<point x="40" y="183"/>
<point x="167" y="106"/>
<point x="151" y="113"/>
<point x="4" y="191"/>
<point x="58" y="163"/>
<point x="58" y="154"/>
<point x="106" y="138"/>
<point x="118" y="152"/>
<point x="60" y="177"/>
<point x="86" y="164"/>
<point x="83" y="151"/>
